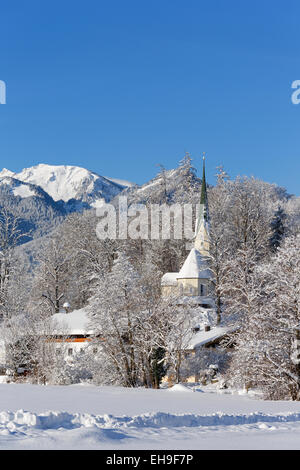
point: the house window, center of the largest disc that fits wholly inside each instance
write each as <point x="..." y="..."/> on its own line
<point x="202" y="289"/>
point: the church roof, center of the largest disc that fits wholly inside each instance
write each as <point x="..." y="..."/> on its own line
<point x="169" y="279"/>
<point x="195" y="267"/>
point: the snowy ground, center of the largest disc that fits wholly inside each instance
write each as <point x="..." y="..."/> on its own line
<point x="90" y="417"/>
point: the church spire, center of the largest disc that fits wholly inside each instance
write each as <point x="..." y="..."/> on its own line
<point x="202" y="228"/>
<point x="203" y="198"/>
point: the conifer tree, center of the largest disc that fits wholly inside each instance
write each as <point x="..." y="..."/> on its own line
<point x="277" y="228"/>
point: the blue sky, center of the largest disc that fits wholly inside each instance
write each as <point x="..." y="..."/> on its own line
<point x="121" y="86"/>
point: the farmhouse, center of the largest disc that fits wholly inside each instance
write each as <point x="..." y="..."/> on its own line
<point x="71" y="331"/>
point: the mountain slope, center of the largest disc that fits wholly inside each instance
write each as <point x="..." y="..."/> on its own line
<point x="171" y="186"/>
<point x="42" y="196"/>
<point x="75" y="186"/>
<point x="37" y="211"/>
<point x="120" y="182"/>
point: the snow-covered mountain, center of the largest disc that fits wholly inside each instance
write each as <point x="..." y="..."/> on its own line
<point x="19" y="188"/>
<point x="72" y="185"/>
<point x="6" y="172"/>
<point x="42" y="195"/>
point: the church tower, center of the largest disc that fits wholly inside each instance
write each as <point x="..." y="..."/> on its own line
<point x="202" y="240"/>
<point x="194" y="281"/>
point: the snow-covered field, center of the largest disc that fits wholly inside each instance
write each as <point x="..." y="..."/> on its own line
<point x="90" y="417"/>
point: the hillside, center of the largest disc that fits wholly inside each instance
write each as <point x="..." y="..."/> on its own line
<point x="36" y="210"/>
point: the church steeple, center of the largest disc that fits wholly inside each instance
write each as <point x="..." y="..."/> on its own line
<point x="195" y="278"/>
<point x="202" y="234"/>
<point x="203" y="198"/>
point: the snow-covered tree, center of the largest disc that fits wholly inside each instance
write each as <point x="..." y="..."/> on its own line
<point x="219" y="203"/>
<point x="51" y="277"/>
<point x="177" y="333"/>
<point x="278" y="228"/>
<point x="10" y="236"/>
<point x="29" y="346"/>
<point x="115" y="311"/>
<point x="266" y="351"/>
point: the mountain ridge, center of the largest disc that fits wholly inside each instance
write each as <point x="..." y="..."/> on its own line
<point x="69" y="183"/>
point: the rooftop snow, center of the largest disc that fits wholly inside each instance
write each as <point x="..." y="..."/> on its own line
<point x="195" y="267"/>
<point x="169" y="279"/>
<point x="203" y="337"/>
<point x="73" y="323"/>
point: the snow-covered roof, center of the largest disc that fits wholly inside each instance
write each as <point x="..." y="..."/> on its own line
<point x="73" y="323"/>
<point x="203" y="337"/>
<point x="169" y="279"/>
<point x="195" y="267"/>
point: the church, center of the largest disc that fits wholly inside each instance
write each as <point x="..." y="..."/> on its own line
<point x="194" y="287"/>
<point x="194" y="283"/>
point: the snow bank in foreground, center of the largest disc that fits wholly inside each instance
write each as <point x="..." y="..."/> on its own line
<point x="20" y="421"/>
<point x="90" y="417"/>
